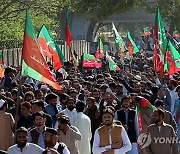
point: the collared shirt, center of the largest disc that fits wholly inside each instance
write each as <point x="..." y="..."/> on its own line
<point x="40" y="139"/>
<point x="65" y="150"/>
<point x="30" y="148"/>
<point x="125" y="148"/>
<point x="70" y="139"/>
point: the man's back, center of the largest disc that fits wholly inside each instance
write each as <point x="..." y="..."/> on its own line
<point x="6" y="134"/>
<point x="83" y="123"/>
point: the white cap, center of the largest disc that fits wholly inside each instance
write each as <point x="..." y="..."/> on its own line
<point x="1" y="102"/>
<point x="44" y="87"/>
<point x="137" y="77"/>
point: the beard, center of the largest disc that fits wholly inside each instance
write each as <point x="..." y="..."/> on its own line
<point x="70" y="108"/>
<point x="22" y="144"/>
<point x="125" y="106"/>
<point x="48" y="144"/>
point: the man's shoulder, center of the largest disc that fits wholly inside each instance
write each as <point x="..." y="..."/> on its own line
<point x="12" y="147"/>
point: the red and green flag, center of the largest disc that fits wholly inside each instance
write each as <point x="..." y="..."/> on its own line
<point x="112" y="64"/>
<point x="132" y="48"/>
<point x="74" y="59"/>
<point x="99" y="52"/>
<point x="90" y="61"/>
<point x="157" y="62"/>
<point x="50" y="48"/>
<point x="1" y="66"/>
<point x="172" y="60"/>
<point x="33" y="62"/>
<point x="159" y="35"/>
<point x="68" y="35"/>
<point x="146" y="32"/>
<point x="119" y="43"/>
<point x="143" y="104"/>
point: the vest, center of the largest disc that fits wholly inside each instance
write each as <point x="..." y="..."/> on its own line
<point x="34" y="135"/>
<point x="130" y="123"/>
<point x="115" y="135"/>
<point x="61" y="147"/>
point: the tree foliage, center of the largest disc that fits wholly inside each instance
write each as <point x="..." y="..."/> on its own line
<point x="52" y="14"/>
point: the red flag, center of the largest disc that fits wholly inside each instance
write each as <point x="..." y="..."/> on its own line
<point x="68" y="34"/>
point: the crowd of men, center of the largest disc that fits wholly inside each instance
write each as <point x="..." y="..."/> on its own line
<point x="93" y="113"/>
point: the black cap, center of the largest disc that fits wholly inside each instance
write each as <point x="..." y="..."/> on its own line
<point x="51" y="130"/>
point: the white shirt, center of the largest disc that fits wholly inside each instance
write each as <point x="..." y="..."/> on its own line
<point x="30" y="148"/>
<point x="65" y="150"/>
<point x="70" y="114"/>
<point x="125" y="148"/>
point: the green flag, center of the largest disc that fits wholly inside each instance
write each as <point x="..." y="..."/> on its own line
<point x="119" y="43"/>
<point x="132" y="48"/>
<point x="50" y="48"/>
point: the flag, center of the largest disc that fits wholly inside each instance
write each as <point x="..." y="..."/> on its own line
<point x="68" y="35"/>
<point x="132" y="48"/>
<point x="146" y="32"/>
<point x="160" y="35"/>
<point x="172" y="60"/>
<point x="50" y="48"/>
<point x="1" y="66"/>
<point x="157" y="62"/>
<point x="99" y="51"/>
<point x="119" y="43"/>
<point x="90" y="61"/>
<point x="176" y="34"/>
<point x="74" y="59"/>
<point x="143" y="104"/>
<point x="112" y="64"/>
<point x="33" y="62"/>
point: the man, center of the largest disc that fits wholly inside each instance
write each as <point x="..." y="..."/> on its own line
<point x="165" y="96"/>
<point x="7" y="123"/>
<point x="168" y="118"/>
<point x="51" y="108"/>
<point x="128" y="119"/>
<point x="70" y="111"/>
<point x="68" y="134"/>
<point x="38" y="106"/>
<point x="38" y="95"/>
<point x="51" y="141"/>
<point x="26" y="119"/>
<point x="161" y="130"/>
<point x="83" y="123"/>
<point x="36" y="134"/>
<point x="119" y="142"/>
<point x="22" y="147"/>
<point x="172" y="85"/>
<point x="93" y="113"/>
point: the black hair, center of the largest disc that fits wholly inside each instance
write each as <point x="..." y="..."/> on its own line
<point x="157" y="103"/>
<point x="40" y="114"/>
<point x="39" y="103"/>
<point x="80" y="106"/>
<point x="51" y="130"/>
<point x="160" y="112"/>
<point x="124" y="98"/>
<point x="50" y="96"/>
<point x="64" y="120"/>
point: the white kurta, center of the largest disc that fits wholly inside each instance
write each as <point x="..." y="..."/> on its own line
<point x="83" y="123"/>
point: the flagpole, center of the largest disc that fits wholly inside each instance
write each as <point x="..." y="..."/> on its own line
<point x="18" y="95"/>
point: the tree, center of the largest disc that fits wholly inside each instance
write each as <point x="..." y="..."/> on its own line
<point x="170" y="10"/>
